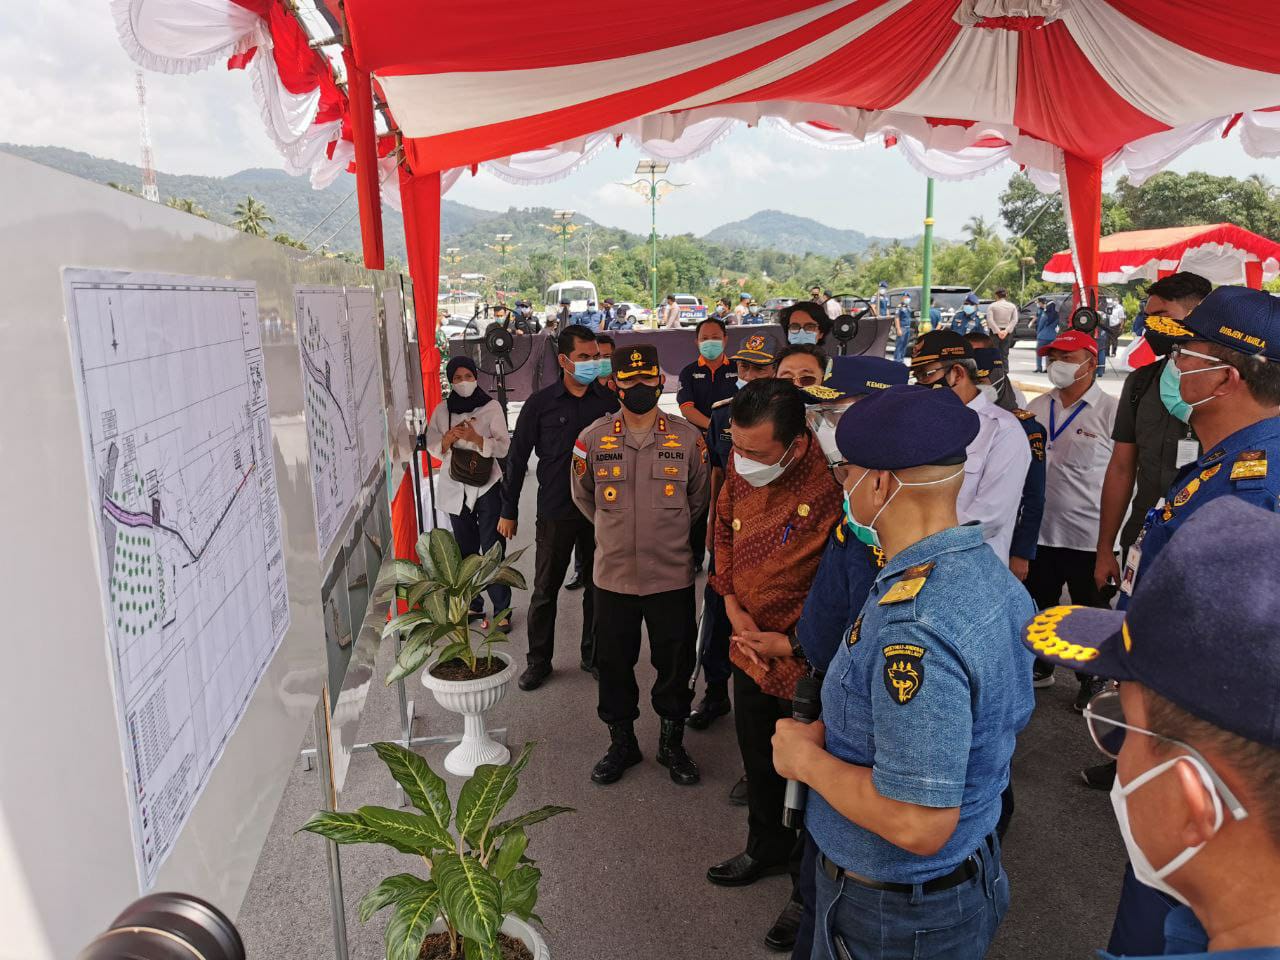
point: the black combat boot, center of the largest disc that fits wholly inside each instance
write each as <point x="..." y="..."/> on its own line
<point x="673" y="756"/>
<point x="715" y="703"/>
<point x="624" y="751"/>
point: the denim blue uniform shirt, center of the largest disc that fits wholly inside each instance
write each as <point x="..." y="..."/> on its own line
<point x="930" y="690"/>
<point x="1239" y="466"/>
<point x="845" y="574"/>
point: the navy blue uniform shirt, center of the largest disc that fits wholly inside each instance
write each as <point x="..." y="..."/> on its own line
<point x="845" y="574"/>
<point x="549" y="424"/>
<point x="701" y="386"/>
<point x="719" y="443"/>
<point x="1239" y="466"/>
<point x="1026" y="532"/>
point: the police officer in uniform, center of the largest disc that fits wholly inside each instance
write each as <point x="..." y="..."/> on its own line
<point x="640" y="475"/>
<point x="754" y="360"/>
<point x="1225" y="380"/>
<point x="921" y="703"/>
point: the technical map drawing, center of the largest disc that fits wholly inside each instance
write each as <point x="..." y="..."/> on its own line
<point x="342" y="383"/>
<point x="397" y="344"/>
<point x="173" y="400"/>
<point x="366" y="378"/>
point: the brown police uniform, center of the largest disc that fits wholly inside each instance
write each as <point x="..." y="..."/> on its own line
<point x="641" y="493"/>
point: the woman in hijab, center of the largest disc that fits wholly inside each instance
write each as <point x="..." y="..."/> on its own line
<point x="468" y="434"/>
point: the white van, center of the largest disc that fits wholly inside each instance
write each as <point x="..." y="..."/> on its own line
<point x="577" y="292"/>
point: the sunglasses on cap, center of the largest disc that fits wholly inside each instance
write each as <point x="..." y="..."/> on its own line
<point x="1105" y="719"/>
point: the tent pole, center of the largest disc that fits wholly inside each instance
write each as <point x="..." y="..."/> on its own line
<point x="926" y="285"/>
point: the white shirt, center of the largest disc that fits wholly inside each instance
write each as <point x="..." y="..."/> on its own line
<point x="1075" y="464"/>
<point x="671" y="316"/>
<point x="833" y="308"/>
<point x="994" y="473"/>
<point x="488" y="421"/>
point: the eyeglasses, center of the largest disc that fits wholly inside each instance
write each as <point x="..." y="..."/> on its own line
<point x="807" y="328"/>
<point x="841" y="471"/>
<point x="1104" y="717"/>
<point x="926" y="378"/>
<point x="1179" y="350"/>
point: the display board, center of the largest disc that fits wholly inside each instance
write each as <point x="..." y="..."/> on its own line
<point x="66" y="812"/>
<point x="397" y="348"/>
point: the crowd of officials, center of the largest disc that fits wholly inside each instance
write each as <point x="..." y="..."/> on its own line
<point x="909" y="545"/>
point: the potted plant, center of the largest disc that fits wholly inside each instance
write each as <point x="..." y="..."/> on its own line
<point x="481" y="887"/>
<point x="463" y="671"/>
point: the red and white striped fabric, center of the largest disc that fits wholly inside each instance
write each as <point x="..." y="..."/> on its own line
<point x="1085" y="76"/>
<point x="1220" y="252"/>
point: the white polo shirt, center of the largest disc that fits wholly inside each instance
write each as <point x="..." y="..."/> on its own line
<point x="995" y="471"/>
<point x="1077" y="449"/>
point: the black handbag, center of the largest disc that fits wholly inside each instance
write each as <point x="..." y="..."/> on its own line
<point x="468" y="467"/>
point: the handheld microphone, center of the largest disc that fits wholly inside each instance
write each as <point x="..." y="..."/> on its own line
<point x="806" y="707"/>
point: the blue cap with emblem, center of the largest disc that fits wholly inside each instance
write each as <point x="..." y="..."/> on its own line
<point x="1239" y="318"/>
<point x="856" y="377"/>
<point x="1200" y="628"/>
<point x="971" y="298"/>
<point x="906" y="426"/>
<point x="989" y="360"/>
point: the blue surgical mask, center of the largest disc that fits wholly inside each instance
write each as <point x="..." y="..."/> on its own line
<point x="802" y="336"/>
<point x="970" y="308"/>
<point x="1171" y="389"/>
<point x="606" y="367"/>
<point x="584" y="371"/>
<point x="711" y="349"/>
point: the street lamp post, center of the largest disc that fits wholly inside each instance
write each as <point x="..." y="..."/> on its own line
<point x="654" y="189"/>
<point x="564" y="226"/>
<point x="502" y="246"/>
<point x="926" y="285"/>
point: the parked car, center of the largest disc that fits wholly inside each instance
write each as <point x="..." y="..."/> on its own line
<point x="770" y="308"/>
<point x="692" y="309"/>
<point x="949" y="300"/>
<point x="1026" y="329"/>
<point x="639" y="314"/>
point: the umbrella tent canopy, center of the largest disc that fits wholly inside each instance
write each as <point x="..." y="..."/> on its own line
<point x="1220" y="252"/>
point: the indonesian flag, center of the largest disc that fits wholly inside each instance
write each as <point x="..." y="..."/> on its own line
<point x="1137" y="354"/>
<point x="580" y="449"/>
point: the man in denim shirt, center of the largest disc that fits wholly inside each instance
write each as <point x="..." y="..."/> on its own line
<point x="921" y="704"/>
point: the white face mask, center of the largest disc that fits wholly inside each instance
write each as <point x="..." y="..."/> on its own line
<point x="761" y="474"/>
<point x="1142" y="868"/>
<point x="1063" y="374"/>
<point x="465" y="388"/>
<point x="988" y="391"/>
<point x="822" y="421"/>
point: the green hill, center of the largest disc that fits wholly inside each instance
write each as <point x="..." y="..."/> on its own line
<point x="775" y="230"/>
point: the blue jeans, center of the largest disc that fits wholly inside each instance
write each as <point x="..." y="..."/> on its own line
<point x="900" y="345"/>
<point x="954" y="924"/>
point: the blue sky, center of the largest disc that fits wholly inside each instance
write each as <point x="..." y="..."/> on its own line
<point x="72" y="85"/>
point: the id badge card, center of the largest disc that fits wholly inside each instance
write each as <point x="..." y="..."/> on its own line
<point x="1188" y="450"/>
<point x="1131" y="569"/>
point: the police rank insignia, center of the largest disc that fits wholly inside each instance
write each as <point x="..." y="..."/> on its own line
<point x="912" y="582"/>
<point x="903" y="671"/>
<point x="671" y="471"/>
<point x="1250" y="465"/>
<point x="669" y="490"/>
<point x="610" y="494"/>
<point x="1189" y="491"/>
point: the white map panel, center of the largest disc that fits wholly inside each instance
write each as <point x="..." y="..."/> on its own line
<point x="324" y="344"/>
<point x="366" y="378"/>
<point x="397" y="344"/>
<point x="173" y="401"/>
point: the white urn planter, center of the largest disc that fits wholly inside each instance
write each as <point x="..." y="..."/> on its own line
<point x="514" y="927"/>
<point x="472" y="698"/>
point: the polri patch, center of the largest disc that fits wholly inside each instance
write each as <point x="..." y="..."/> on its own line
<point x="903" y="671"/>
<point x="579" y="467"/>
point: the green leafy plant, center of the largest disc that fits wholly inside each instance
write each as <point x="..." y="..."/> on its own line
<point x="478" y="873"/>
<point x="438" y="593"/>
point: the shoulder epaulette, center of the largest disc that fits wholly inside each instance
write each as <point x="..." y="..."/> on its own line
<point x="1023" y="414"/>
<point x="721" y="403"/>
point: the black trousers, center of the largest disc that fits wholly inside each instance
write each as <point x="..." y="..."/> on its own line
<point x="755" y="714"/>
<point x="1056" y="567"/>
<point x="476" y="530"/>
<point x="698" y="539"/>
<point x="716" y="629"/>
<point x="670" y="620"/>
<point x="555" y="538"/>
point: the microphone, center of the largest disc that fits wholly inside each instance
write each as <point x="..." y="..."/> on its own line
<point x="806" y="707"/>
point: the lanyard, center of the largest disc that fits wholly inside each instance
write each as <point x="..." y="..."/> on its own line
<point x="1054" y="430"/>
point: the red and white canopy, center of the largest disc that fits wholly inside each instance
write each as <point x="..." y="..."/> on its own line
<point x="1221" y="252"/>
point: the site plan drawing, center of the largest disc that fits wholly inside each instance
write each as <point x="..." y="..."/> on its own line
<point x="342" y="386"/>
<point x="173" y="400"/>
<point x="397" y="343"/>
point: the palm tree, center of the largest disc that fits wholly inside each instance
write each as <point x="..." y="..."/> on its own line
<point x="978" y="230"/>
<point x="251" y="216"/>
<point x="1261" y="180"/>
<point x="186" y="205"/>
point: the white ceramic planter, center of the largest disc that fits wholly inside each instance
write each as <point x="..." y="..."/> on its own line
<point x="472" y="698"/>
<point x="513" y="926"/>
